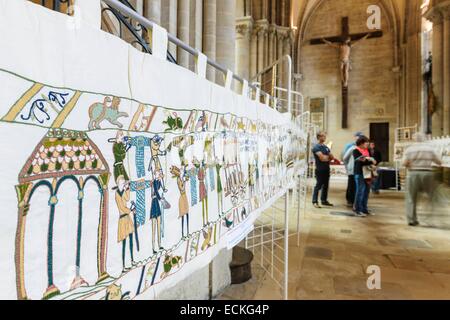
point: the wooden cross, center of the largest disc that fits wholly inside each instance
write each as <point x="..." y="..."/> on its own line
<point x="341" y="42"/>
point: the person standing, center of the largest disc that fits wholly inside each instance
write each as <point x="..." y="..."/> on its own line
<point x="376" y="154"/>
<point x="362" y="176"/>
<point x="421" y="177"/>
<point x="349" y="162"/>
<point x="323" y="157"/>
<point x="347" y="157"/>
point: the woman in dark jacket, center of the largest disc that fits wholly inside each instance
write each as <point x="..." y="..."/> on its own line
<point x="362" y="159"/>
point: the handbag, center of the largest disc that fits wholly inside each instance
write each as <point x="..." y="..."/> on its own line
<point x="367" y="172"/>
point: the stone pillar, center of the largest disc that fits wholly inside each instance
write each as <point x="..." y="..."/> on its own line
<point x="209" y="34"/>
<point x="195" y="29"/>
<point x="253" y="53"/>
<point x="152" y="10"/>
<point x="183" y="30"/>
<point x="262" y="31"/>
<point x="272" y="45"/>
<point x="261" y="36"/>
<point x="280" y="43"/>
<point x="226" y="35"/>
<point x="169" y="21"/>
<point x="438" y="65"/>
<point x="265" y="9"/>
<point x="446" y="71"/>
<point x="243" y="35"/>
<point x="273" y="12"/>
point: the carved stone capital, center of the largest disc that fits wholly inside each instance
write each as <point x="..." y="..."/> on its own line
<point x="439" y="12"/>
<point x="434" y="16"/>
<point x="244" y="28"/>
<point x="262" y="27"/>
<point x="282" y="33"/>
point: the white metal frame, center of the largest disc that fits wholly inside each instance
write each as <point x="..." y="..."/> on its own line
<point x="268" y="234"/>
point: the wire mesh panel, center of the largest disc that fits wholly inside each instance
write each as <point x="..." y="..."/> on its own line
<point x="269" y="241"/>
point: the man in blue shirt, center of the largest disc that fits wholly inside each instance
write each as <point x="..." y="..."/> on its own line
<point x="323" y="157"/>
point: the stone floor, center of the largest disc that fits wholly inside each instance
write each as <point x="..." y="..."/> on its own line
<point x="336" y="249"/>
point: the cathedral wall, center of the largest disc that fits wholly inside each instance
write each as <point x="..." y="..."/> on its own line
<point x="373" y="85"/>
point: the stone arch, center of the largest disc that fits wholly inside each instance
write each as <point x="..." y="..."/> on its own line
<point x="389" y="7"/>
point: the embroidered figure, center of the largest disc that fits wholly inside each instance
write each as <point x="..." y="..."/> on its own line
<point x="98" y="112"/>
<point x="156" y="212"/>
<point x="203" y="193"/>
<point x="183" y="204"/>
<point x="155" y="163"/>
<point x="125" y="227"/>
<point x="218" y="167"/>
<point x="120" y="152"/>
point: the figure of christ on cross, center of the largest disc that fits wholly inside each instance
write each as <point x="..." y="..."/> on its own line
<point x="345" y="49"/>
<point x="345" y="42"/>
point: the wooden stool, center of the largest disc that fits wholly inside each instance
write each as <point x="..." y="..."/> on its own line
<point x="241" y="265"/>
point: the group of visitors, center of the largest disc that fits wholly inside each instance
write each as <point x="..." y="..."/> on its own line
<point x="361" y="159"/>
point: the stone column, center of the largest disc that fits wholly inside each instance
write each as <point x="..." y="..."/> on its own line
<point x="226" y="35"/>
<point x="209" y="34"/>
<point x="195" y="29"/>
<point x="169" y="21"/>
<point x="446" y="70"/>
<point x="183" y="31"/>
<point x="243" y="35"/>
<point x="253" y="53"/>
<point x="272" y="44"/>
<point x="153" y="10"/>
<point x="279" y="44"/>
<point x="261" y="34"/>
<point x="262" y="30"/>
<point x="438" y="65"/>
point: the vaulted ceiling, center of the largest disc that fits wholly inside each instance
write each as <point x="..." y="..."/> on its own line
<point x="402" y="13"/>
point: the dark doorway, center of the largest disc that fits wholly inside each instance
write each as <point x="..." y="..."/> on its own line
<point x="379" y="132"/>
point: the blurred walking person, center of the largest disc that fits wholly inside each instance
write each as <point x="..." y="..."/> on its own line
<point x="421" y="176"/>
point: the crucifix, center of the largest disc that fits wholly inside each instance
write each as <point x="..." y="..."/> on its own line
<point x="345" y="42"/>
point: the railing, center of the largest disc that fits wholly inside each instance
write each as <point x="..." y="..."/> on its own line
<point x="146" y="23"/>
<point x="125" y="22"/>
<point x="139" y="26"/>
